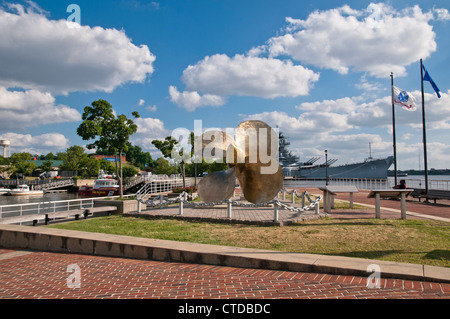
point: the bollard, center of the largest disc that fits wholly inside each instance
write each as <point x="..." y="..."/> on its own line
<point x="161" y="199"/>
<point x="303" y="198"/>
<point x="275" y="212"/>
<point x="139" y="207"/>
<point x="317" y="208"/>
<point x="293" y="196"/>
<point x="284" y="194"/>
<point x="180" y="208"/>
<point x="229" y="210"/>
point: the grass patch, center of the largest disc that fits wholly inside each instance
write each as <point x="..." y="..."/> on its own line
<point x="411" y="241"/>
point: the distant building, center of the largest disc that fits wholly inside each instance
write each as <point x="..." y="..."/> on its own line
<point x="109" y="158"/>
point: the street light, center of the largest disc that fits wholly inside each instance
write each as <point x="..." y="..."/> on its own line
<point x="326" y="167"/>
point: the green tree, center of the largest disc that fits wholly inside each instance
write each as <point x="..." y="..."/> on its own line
<point x="137" y="157"/>
<point x="107" y="166"/>
<point x="166" y="147"/>
<point x="20" y="164"/>
<point x="47" y="166"/>
<point x="75" y="159"/>
<point x="110" y="133"/>
<point x="162" y="166"/>
<point x="129" y="171"/>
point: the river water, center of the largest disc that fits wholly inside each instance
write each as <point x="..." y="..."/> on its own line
<point x="11" y="200"/>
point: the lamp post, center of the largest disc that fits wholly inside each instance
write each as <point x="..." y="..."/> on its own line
<point x="326" y="167"/>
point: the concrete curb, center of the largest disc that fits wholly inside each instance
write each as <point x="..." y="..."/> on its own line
<point x="69" y="241"/>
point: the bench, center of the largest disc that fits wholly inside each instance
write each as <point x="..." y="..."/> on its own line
<point x="436" y="194"/>
<point x="388" y="193"/>
<point x="35" y="218"/>
<point x="418" y="193"/>
<point x="330" y="191"/>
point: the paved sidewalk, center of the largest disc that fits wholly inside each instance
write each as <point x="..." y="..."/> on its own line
<point x="46" y="275"/>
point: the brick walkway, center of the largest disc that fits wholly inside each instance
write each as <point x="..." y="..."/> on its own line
<point x="45" y="275"/>
<point x="32" y="275"/>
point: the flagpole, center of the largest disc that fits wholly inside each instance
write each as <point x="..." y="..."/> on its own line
<point x="393" y="130"/>
<point x="424" y="130"/>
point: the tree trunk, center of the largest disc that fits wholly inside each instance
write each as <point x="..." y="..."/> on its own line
<point x="183" y="173"/>
<point x="120" y="178"/>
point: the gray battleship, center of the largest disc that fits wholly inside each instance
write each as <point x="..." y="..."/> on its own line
<point x="291" y="166"/>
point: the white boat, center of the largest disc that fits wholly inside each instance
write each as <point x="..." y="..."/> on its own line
<point x="24" y="190"/>
<point x="4" y="191"/>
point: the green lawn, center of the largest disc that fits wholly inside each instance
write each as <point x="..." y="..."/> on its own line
<point x="412" y="241"/>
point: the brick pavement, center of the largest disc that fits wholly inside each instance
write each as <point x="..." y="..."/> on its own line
<point x="45" y="275"/>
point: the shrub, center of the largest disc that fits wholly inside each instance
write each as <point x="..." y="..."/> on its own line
<point x="189" y="189"/>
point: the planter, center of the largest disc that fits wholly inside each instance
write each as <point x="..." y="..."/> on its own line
<point x="123" y="206"/>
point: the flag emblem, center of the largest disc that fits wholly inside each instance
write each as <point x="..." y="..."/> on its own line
<point x="405" y="99"/>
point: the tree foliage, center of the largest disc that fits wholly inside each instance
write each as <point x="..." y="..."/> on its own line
<point x="109" y="133"/>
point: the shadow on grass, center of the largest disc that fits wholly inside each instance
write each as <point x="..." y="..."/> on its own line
<point x="438" y="254"/>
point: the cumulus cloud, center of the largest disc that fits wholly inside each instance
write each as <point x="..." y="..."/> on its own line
<point x="378" y="40"/>
<point x="52" y="55"/>
<point x="22" y="109"/>
<point x="338" y="125"/>
<point x="191" y="100"/>
<point x="41" y="144"/>
<point x="148" y="130"/>
<point x="248" y="76"/>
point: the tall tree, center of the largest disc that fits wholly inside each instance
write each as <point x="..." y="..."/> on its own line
<point x="110" y="133"/>
<point x="20" y="164"/>
<point x="168" y="145"/>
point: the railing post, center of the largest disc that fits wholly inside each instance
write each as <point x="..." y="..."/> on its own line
<point x="275" y="212"/>
<point x="229" y="209"/>
<point x="180" y="208"/>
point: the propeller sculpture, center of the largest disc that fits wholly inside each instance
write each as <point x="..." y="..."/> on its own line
<point x="251" y="158"/>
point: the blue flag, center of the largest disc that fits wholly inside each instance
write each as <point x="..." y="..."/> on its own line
<point x="428" y="78"/>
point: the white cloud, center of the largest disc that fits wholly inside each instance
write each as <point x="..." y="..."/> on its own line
<point x="346" y="126"/>
<point x="149" y="129"/>
<point x="50" y="55"/>
<point x="41" y="144"/>
<point x="248" y="76"/>
<point x="191" y="100"/>
<point x="22" y="109"/>
<point x="378" y="40"/>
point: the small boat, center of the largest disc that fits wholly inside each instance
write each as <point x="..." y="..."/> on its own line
<point x="102" y="187"/>
<point x="4" y="191"/>
<point x="24" y="190"/>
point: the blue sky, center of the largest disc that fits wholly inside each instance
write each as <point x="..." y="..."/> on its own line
<point x="320" y="70"/>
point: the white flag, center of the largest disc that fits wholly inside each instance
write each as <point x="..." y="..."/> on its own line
<point x="405" y="99"/>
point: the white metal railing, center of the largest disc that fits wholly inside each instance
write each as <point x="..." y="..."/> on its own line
<point x="15" y="210"/>
<point x="432" y="183"/>
<point x="361" y="183"/>
<point x="160" y="185"/>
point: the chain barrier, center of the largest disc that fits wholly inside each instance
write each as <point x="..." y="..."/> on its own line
<point x="161" y="201"/>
